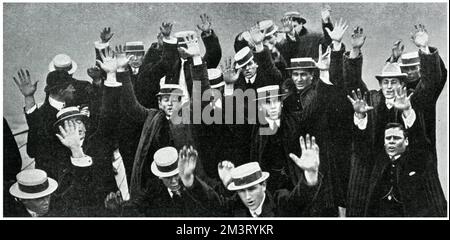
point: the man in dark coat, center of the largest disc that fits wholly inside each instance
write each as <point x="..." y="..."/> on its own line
<point x="400" y="185"/>
<point x="177" y="192"/>
<point x="253" y="199"/>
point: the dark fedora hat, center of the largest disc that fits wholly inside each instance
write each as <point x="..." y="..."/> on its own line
<point x="58" y="79"/>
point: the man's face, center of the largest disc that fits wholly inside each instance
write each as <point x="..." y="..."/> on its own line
<point x="68" y="93"/>
<point x="395" y="142"/>
<point x="136" y="61"/>
<point x="389" y="86"/>
<point x="172" y="183"/>
<point x="38" y="205"/>
<point x="169" y="104"/>
<point x="270" y="41"/>
<point x="271" y="108"/>
<point x="301" y="78"/>
<point x="252" y="196"/>
<point x="249" y="69"/>
<point x="412" y="71"/>
<point x="297" y="26"/>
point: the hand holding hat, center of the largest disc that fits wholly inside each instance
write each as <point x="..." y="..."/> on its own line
<point x="359" y="103"/>
<point x="309" y="161"/>
<point x="205" y="26"/>
<point x="224" y="169"/>
<point x="187" y="161"/>
<point x="420" y="37"/>
<point x="106" y="34"/>
<point x="26" y="86"/>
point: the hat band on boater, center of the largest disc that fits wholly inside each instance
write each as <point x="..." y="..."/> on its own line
<point x="410" y="61"/>
<point x="63" y="67"/>
<point x="247" y="179"/>
<point x="35" y="188"/>
<point x="216" y="81"/>
<point x="134" y="48"/>
<point x="245" y="59"/>
<point x="167" y="169"/>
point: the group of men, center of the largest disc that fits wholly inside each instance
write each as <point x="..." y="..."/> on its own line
<point x="285" y="128"/>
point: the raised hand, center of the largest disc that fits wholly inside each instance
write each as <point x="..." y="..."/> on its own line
<point x="325" y="13"/>
<point x="420" y="36"/>
<point x="109" y="64"/>
<point x="323" y="63"/>
<point x="358" y="38"/>
<point x="402" y="101"/>
<point x="257" y="38"/>
<point x="359" y="103"/>
<point x="309" y="161"/>
<point x="106" y="34"/>
<point x="166" y="29"/>
<point x="193" y="48"/>
<point x="113" y="201"/>
<point x="287" y="24"/>
<point x="121" y="58"/>
<point x="224" y="169"/>
<point x="338" y="32"/>
<point x="397" y="50"/>
<point x="26" y="86"/>
<point x="187" y="160"/>
<point x="230" y="74"/>
<point x="205" y="26"/>
<point x="69" y="135"/>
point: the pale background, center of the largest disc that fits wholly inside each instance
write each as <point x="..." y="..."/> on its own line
<point x="35" y="32"/>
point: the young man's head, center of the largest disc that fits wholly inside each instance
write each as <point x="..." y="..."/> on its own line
<point x="297" y="21"/>
<point x="60" y="86"/>
<point x="410" y="64"/>
<point x="244" y="60"/>
<point x="76" y="116"/>
<point x="137" y="50"/>
<point x="395" y="139"/>
<point x="269" y="101"/>
<point x="165" y="166"/>
<point x="169" y="98"/>
<point x="33" y="188"/>
<point x="250" y="183"/>
<point x="391" y="79"/>
<point x="302" y="72"/>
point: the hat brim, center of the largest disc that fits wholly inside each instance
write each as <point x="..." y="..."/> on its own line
<point x="174" y="94"/>
<point x="70" y="116"/>
<point x="218" y="85"/>
<point x="297" y="68"/>
<point x="245" y="63"/>
<point x="51" y="67"/>
<point x="233" y="187"/>
<point x="275" y="29"/>
<point x="271" y="96"/>
<point x="408" y="65"/>
<point x="162" y="174"/>
<point x="402" y="76"/>
<point x="16" y="192"/>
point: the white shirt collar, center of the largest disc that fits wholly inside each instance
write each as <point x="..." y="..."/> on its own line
<point x="251" y="80"/>
<point x="135" y="71"/>
<point x="170" y="192"/>
<point x="394" y="157"/>
<point x="273" y="122"/>
<point x="55" y="103"/>
<point x="32" y="213"/>
<point x="258" y="210"/>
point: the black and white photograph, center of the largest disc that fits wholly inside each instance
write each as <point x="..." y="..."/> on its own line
<point x="225" y="110"/>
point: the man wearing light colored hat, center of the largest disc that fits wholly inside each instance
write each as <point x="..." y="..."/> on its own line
<point x="177" y="193"/>
<point x="34" y="189"/>
<point x="255" y="200"/>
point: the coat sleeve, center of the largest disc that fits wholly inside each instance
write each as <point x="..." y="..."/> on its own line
<point x="271" y="73"/>
<point x="34" y="121"/>
<point x="353" y="73"/>
<point x="205" y="197"/>
<point x="213" y="50"/>
<point x="129" y="104"/>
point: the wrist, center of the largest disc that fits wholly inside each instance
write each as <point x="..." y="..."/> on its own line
<point x="259" y="47"/>
<point x="407" y="112"/>
<point x="312" y="177"/>
<point x="188" y="180"/>
<point x="425" y="49"/>
<point x="77" y="152"/>
<point x="360" y="115"/>
<point x="337" y="45"/>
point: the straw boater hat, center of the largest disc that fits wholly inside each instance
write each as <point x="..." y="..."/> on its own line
<point x="244" y="56"/>
<point x="302" y="63"/>
<point x="295" y="14"/>
<point x="32" y="184"/>
<point x="391" y="70"/>
<point x="62" y="61"/>
<point x="165" y="162"/>
<point x="134" y="47"/>
<point x="246" y="175"/>
<point x="269" y="91"/>
<point x="170" y="89"/>
<point x="409" y="59"/>
<point x="268" y="26"/>
<point x="68" y="113"/>
<point x="215" y="78"/>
